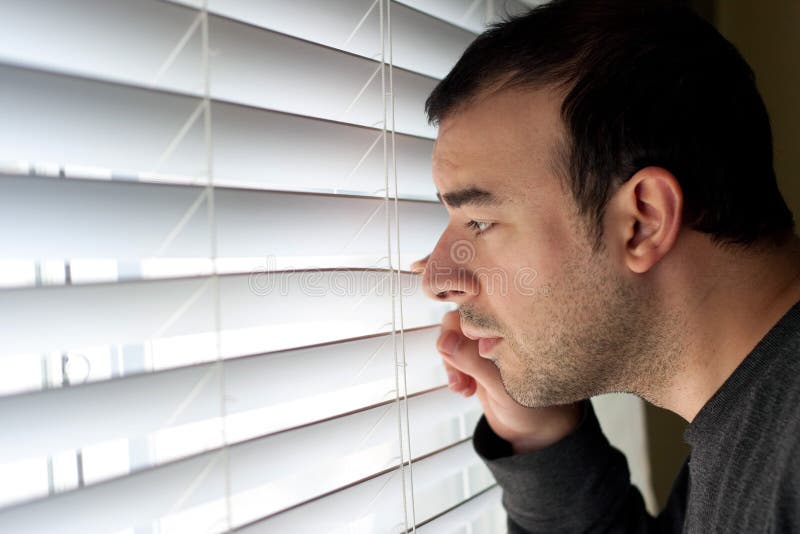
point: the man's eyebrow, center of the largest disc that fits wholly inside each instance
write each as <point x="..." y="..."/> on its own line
<point x="472" y="196"/>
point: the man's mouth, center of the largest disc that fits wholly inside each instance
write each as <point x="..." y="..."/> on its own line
<point x="486" y="342"/>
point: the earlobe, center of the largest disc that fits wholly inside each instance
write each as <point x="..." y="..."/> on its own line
<point x="652" y="201"/>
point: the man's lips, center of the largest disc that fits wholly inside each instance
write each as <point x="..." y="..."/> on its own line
<point x="474" y="334"/>
<point x="486" y="342"/>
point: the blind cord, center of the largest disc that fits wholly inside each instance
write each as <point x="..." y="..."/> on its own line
<point x="400" y="292"/>
<point x="394" y="275"/>
<point x="391" y="271"/>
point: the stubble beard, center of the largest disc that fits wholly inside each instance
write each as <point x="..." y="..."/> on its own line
<point x="596" y="333"/>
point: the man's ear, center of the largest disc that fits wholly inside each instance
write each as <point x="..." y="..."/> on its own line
<point x="646" y="213"/>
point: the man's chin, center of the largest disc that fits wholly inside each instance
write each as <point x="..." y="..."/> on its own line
<point x="520" y="395"/>
<point x="531" y="398"/>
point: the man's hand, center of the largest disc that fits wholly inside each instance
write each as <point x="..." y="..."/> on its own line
<point x="527" y="429"/>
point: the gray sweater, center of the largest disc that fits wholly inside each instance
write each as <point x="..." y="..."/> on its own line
<point x="743" y="473"/>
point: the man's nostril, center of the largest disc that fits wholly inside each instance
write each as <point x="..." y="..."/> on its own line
<point x="449" y="293"/>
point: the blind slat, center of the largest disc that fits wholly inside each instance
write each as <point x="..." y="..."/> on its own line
<point x="420" y="43"/>
<point x="270" y="393"/>
<point x="273" y="473"/>
<point x="483" y="513"/>
<point x="468" y="14"/>
<point x="44" y="217"/>
<point x="126" y="132"/>
<point x="176" y="317"/>
<point x="440" y="481"/>
<point x="290" y="75"/>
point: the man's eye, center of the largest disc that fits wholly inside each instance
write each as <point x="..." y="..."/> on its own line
<point x="479" y="227"/>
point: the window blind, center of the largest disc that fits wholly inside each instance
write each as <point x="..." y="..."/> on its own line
<point x="207" y="214"/>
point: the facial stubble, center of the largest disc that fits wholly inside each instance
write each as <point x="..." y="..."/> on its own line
<point x="595" y="332"/>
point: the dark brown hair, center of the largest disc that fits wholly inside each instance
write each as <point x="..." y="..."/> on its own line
<point x="646" y="83"/>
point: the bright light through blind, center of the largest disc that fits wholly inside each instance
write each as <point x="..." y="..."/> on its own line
<point x="207" y="321"/>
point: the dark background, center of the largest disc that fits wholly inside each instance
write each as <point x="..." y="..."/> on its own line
<point x="767" y="33"/>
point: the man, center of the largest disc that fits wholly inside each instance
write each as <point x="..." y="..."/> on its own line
<point x="615" y="225"/>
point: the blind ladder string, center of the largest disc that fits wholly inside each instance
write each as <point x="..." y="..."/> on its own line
<point x="212" y="228"/>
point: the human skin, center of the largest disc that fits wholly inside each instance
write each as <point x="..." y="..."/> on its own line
<point x="638" y="314"/>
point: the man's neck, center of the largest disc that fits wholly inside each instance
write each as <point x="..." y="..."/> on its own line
<point x="729" y="304"/>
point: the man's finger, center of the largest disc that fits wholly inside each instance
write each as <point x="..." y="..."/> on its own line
<point x="457" y="381"/>
<point x="461" y="353"/>
<point x="419" y="265"/>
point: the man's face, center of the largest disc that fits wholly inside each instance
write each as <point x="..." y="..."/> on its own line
<point x="568" y="317"/>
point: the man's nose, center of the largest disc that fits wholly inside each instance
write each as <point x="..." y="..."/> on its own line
<point x="445" y="278"/>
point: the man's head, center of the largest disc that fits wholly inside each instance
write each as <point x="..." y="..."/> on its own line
<point x="601" y="131"/>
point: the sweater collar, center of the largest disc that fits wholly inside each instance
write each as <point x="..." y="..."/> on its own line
<point x="743" y="378"/>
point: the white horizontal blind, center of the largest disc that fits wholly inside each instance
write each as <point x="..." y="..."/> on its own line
<point x="205" y="316"/>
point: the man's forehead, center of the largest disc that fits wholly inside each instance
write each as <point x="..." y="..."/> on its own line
<point x="459" y="141"/>
<point x="502" y="128"/>
<point x="510" y="110"/>
<point x="472" y="149"/>
<point x="446" y="165"/>
<point x="467" y="170"/>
